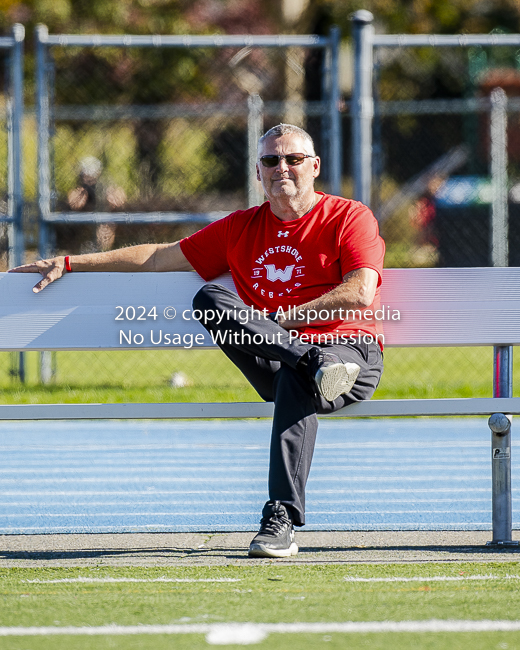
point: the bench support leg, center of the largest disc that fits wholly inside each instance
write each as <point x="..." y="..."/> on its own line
<point x="500" y="426"/>
<point x="47" y="366"/>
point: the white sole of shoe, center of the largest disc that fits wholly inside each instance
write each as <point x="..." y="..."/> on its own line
<point x="337" y="379"/>
<point x="260" y="550"/>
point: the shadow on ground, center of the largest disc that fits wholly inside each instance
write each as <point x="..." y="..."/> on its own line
<point x="196" y="549"/>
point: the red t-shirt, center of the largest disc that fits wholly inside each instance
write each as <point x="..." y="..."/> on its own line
<point x="284" y="264"/>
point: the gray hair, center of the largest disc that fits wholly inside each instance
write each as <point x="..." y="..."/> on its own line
<point x="287" y="129"/>
<point x="90" y="166"/>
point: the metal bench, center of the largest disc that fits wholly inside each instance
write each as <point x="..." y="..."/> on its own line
<point x="437" y="307"/>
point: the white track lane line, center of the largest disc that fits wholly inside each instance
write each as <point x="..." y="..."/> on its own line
<point x="433" y="578"/>
<point x="110" y="580"/>
<point x="154" y="492"/>
<point x="249" y="633"/>
<point x="211" y="479"/>
<point x="251" y="513"/>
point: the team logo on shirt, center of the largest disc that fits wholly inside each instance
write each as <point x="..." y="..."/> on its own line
<point x="279" y="271"/>
<point x="274" y="274"/>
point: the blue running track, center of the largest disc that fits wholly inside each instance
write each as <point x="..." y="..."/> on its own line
<point x="129" y="476"/>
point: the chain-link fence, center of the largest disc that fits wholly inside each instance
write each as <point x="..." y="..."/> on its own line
<point x="137" y="131"/>
<point x="148" y="138"/>
<point x="436" y="137"/>
<point x="433" y="188"/>
<point x="430" y="144"/>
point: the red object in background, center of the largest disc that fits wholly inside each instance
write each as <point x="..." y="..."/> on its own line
<point x="423" y="219"/>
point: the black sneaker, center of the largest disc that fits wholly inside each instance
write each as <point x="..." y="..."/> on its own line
<point x="276" y="535"/>
<point x="332" y="377"/>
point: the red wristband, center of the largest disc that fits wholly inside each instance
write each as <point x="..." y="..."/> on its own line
<point x="68" y="267"/>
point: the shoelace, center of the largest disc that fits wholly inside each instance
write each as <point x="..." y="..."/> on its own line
<point x="275" y="523"/>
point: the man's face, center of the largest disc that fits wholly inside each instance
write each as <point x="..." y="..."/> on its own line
<point x="285" y="181"/>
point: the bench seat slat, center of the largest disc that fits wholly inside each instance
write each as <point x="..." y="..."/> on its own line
<point x="438" y="307"/>
<point x="147" y="411"/>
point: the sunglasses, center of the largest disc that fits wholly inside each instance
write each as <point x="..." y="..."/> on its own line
<point x="291" y="159"/>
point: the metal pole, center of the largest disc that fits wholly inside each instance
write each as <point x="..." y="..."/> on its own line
<point x="362" y="107"/>
<point x="16" y="243"/>
<point x="44" y="170"/>
<point x="441" y="40"/>
<point x="255" y="129"/>
<point x="499" y="219"/>
<point x="47" y="369"/>
<point x="42" y="112"/>
<point x="325" y="142"/>
<point x="15" y="183"/>
<point x="189" y="41"/>
<point x="335" y="115"/>
<point x="500" y="426"/>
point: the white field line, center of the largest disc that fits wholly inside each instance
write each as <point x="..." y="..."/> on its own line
<point x="433" y="578"/>
<point x="110" y="580"/>
<point x="249" y="633"/>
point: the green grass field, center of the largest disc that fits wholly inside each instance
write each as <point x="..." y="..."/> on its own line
<point x="268" y="593"/>
<point x="145" y="376"/>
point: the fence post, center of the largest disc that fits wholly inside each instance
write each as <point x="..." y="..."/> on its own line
<point x="42" y="113"/>
<point x="255" y="129"/>
<point x="500" y="424"/>
<point x="14" y="129"/>
<point x="15" y="183"/>
<point x="362" y="105"/>
<point x="335" y="137"/>
<point x="47" y="366"/>
<point x="498" y="147"/>
<point x="44" y="167"/>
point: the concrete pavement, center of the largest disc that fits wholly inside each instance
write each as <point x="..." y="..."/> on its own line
<point x="220" y="549"/>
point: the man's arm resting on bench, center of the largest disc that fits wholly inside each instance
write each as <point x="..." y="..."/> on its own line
<point x="134" y="259"/>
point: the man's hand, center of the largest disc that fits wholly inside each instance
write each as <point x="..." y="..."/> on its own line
<point x="116" y="197"/>
<point x="134" y="259"/>
<point x="51" y="270"/>
<point x="77" y="198"/>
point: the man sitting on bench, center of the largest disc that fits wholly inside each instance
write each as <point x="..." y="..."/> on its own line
<point x="310" y="265"/>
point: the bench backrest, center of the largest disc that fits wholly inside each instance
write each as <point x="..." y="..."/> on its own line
<point x="437" y="307"/>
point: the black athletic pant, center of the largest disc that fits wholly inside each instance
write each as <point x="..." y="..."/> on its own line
<point x="270" y="365"/>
